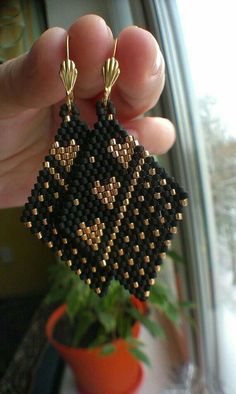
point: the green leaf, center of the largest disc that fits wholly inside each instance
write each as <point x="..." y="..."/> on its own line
<point x="107" y="320"/>
<point x="187" y="305"/>
<point x="152" y="326"/>
<point x="135" y="342"/>
<point x="140" y="355"/>
<point x="108" y="349"/>
<point x="175" y="257"/>
<point x="72" y="303"/>
<point x="85" y="320"/>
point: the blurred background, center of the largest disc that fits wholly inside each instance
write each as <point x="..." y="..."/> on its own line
<point x="197" y="39"/>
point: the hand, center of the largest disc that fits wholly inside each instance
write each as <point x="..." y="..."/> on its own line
<point x="31" y="93"/>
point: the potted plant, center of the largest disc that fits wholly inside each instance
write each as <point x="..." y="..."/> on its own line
<point x="98" y="337"/>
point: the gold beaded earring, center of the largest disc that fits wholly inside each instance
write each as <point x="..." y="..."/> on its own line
<point x="101" y="202"/>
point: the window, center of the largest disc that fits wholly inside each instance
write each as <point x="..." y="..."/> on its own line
<point x="197" y="39"/>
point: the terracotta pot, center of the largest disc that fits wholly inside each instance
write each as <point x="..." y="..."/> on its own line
<point x="116" y="373"/>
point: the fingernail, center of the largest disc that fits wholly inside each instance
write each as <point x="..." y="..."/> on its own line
<point x="157" y="63"/>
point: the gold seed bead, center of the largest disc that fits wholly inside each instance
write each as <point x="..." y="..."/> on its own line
<point x="147" y="294"/>
<point x="95" y="247"/>
<point x="94" y="269"/>
<point x="103" y="279"/>
<point x="35" y="211"/>
<point x="121" y="252"/>
<point x="102" y="263"/>
<point x="146" y="259"/>
<point x="162" y="255"/>
<point x="74" y="251"/>
<point x="179" y="216"/>
<point x="147" y="185"/>
<point x="98" y="290"/>
<point x="54" y="231"/>
<point x="41" y="198"/>
<point x="78" y="272"/>
<point x="136" y="285"/>
<point x="167" y="243"/>
<point x="157" y="196"/>
<point x="136" y="248"/>
<point x="50" y="244"/>
<point x="76" y="201"/>
<point x="126" y="239"/>
<point x="108" y="249"/>
<point x="83" y="260"/>
<point x="163" y="182"/>
<point x="141" y="271"/>
<point x="56" y="195"/>
<point x="151" y="209"/>
<point x="152" y="171"/>
<point x="39" y="235"/>
<point x="69" y="263"/>
<point x="162" y="220"/>
<point x="134" y="182"/>
<point x="173" y="230"/>
<point x="110" y="205"/>
<point x="88" y="281"/>
<point x="50" y="208"/>
<point x="45" y="222"/>
<point x="184" y="202"/>
<point x="131" y="226"/>
<point x="142" y="235"/>
<point x="173" y="192"/>
<point x="152" y="245"/>
<point x="156" y="233"/>
<point x="64" y="240"/>
<point x="168" y="205"/>
<point x="59" y="253"/>
<point x="158" y="268"/>
<point x="131" y="261"/>
<point x="146" y="222"/>
<point x="141" y="198"/>
<point x="151" y="282"/>
<point x="92" y="159"/>
<point x="106" y="256"/>
<point x="136" y="211"/>
<point x="115" y="266"/>
<point x="28" y="224"/>
<point x="126" y="275"/>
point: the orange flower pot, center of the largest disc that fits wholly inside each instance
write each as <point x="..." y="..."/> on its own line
<point x="117" y="373"/>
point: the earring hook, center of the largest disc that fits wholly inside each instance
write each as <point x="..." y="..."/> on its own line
<point x="111" y="72"/>
<point x="68" y="74"/>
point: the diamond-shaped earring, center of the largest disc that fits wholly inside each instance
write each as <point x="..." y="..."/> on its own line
<point x="101" y="202"/>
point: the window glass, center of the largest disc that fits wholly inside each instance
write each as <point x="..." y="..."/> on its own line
<point x="209" y="30"/>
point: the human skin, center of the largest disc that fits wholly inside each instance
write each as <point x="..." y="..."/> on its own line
<point x="31" y="93"/>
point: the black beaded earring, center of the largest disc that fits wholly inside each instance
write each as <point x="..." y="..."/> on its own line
<point x="101" y="202"/>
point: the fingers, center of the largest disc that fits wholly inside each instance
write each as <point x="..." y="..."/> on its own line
<point x="142" y="72"/>
<point x="157" y="135"/>
<point x="32" y="80"/>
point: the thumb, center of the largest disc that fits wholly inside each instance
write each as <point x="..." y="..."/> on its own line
<point x="31" y="80"/>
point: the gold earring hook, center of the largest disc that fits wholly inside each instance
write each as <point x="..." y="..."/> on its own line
<point x="111" y="72"/>
<point x="68" y="74"/>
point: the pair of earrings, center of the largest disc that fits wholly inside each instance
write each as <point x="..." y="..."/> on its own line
<point x="101" y="202"/>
